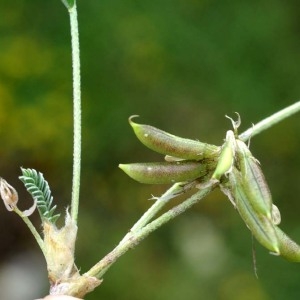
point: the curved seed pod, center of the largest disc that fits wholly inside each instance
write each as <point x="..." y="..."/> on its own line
<point x="165" y="172"/>
<point x="169" y="144"/>
<point x="226" y="158"/>
<point x="261" y="227"/>
<point x="254" y="181"/>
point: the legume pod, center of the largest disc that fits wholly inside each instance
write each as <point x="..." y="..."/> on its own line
<point x="261" y="226"/>
<point x="167" y="172"/>
<point x="169" y="144"/>
<point x="255" y="185"/>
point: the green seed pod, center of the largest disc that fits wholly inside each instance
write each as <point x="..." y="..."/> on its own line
<point x="254" y="181"/>
<point x="166" y="172"/>
<point x="168" y="144"/>
<point x="261" y="227"/>
<point x="287" y="247"/>
<point x="226" y="158"/>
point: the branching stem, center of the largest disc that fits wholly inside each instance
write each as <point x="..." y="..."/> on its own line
<point x="137" y="236"/>
<point x="142" y="228"/>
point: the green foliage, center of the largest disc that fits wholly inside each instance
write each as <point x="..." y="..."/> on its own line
<point x="39" y="189"/>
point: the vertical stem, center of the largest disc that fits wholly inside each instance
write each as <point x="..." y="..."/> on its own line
<point x="76" y="112"/>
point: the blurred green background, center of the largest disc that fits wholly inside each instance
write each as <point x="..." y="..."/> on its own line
<point x="181" y="65"/>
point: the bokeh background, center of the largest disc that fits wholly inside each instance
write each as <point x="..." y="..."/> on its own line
<point x="181" y="65"/>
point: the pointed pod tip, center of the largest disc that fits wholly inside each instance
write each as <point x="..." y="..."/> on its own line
<point x="130" y="119"/>
<point x="130" y="170"/>
<point x="123" y="167"/>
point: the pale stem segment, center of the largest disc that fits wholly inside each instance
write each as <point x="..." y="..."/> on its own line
<point x="270" y="121"/>
<point x="138" y="235"/>
<point x="160" y="202"/>
<point x="31" y="228"/>
<point x="76" y="112"/>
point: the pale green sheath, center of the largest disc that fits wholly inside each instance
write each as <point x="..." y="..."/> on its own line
<point x="261" y="227"/>
<point x="255" y="185"/>
<point x="226" y="158"/>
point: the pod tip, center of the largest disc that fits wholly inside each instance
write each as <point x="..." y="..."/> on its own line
<point x="131" y="117"/>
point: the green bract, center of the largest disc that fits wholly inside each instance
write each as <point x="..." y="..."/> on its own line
<point x="168" y="144"/>
<point x="261" y="227"/>
<point x="226" y="158"/>
<point x="254" y="182"/>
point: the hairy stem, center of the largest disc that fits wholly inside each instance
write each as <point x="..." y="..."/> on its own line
<point x="103" y="265"/>
<point x="76" y="113"/>
<point x="270" y="121"/>
<point x="159" y="203"/>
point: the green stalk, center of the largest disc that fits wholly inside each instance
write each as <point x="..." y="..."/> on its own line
<point x="159" y="203"/>
<point x="137" y="236"/>
<point x="32" y="229"/>
<point x="76" y="112"/>
<point x="270" y="121"/>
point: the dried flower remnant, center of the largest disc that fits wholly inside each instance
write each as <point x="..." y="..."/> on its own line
<point x="8" y="194"/>
<point x="10" y="198"/>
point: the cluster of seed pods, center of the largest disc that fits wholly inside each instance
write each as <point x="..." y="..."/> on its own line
<point x="187" y="159"/>
<point x="232" y="165"/>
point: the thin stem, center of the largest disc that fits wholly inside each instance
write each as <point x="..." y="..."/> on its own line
<point x="103" y="265"/>
<point x="270" y="121"/>
<point x="160" y="202"/>
<point x="32" y="229"/>
<point x="76" y="113"/>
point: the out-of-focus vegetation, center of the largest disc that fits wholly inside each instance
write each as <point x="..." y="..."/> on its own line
<point x="180" y="65"/>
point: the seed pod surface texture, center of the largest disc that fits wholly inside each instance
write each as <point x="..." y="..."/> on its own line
<point x="287" y="247"/>
<point x="261" y="227"/>
<point x="169" y="144"/>
<point x="254" y="181"/>
<point x="165" y="172"/>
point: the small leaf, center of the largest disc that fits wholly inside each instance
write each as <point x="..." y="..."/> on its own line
<point x="39" y="189"/>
